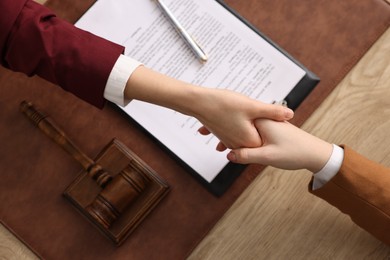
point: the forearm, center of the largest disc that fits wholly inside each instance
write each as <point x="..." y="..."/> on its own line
<point x="152" y="87"/>
<point x="227" y="114"/>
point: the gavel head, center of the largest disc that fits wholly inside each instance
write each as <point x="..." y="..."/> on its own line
<point x="118" y="194"/>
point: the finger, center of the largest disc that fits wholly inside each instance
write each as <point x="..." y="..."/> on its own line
<point x="249" y="155"/>
<point x="221" y="147"/>
<point x="275" y="112"/>
<point x="204" y="131"/>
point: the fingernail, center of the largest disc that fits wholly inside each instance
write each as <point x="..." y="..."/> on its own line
<point x="288" y="113"/>
<point x="231" y="156"/>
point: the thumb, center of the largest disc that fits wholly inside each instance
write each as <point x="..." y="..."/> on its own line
<point x="249" y="155"/>
<point x="275" y="112"/>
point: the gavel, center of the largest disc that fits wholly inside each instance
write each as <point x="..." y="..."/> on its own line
<point x="118" y="192"/>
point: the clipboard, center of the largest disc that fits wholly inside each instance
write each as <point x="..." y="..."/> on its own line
<point x="226" y="173"/>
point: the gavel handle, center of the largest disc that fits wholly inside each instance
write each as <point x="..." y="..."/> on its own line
<point x="43" y="122"/>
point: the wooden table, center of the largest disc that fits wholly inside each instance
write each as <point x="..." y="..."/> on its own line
<point x="276" y="218"/>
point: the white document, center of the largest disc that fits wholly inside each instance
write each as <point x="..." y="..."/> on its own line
<point x="238" y="59"/>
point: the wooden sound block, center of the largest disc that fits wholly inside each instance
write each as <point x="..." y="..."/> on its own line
<point x="115" y="157"/>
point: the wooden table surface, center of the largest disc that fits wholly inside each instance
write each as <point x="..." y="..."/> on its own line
<point x="276" y="217"/>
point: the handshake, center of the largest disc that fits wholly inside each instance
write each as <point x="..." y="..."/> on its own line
<point x="275" y="142"/>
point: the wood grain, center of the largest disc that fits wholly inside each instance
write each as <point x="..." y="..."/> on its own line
<point x="276" y="218"/>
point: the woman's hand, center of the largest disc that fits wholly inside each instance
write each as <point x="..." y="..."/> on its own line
<point x="285" y="146"/>
<point x="227" y="114"/>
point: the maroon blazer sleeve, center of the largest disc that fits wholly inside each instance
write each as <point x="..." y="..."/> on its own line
<point x="34" y="41"/>
<point x="361" y="189"/>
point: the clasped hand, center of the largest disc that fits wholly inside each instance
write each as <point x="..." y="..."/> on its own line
<point x="258" y="133"/>
<point x="284" y="146"/>
<point x="231" y="116"/>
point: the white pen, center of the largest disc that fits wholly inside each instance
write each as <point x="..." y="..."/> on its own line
<point x="197" y="50"/>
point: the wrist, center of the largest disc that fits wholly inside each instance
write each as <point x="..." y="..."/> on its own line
<point x="196" y="101"/>
<point x="319" y="155"/>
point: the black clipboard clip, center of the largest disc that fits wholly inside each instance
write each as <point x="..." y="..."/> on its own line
<point x="280" y="102"/>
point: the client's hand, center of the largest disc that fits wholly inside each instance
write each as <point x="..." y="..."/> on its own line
<point x="285" y="146"/>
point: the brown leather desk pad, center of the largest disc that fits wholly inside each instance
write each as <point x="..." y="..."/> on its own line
<point x="328" y="37"/>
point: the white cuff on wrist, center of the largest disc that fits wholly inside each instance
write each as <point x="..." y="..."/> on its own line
<point x="118" y="78"/>
<point x="330" y="169"/>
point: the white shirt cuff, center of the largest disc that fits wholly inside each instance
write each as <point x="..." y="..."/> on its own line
<point x="116" y="83"/>
<point x="330" y="169"/>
